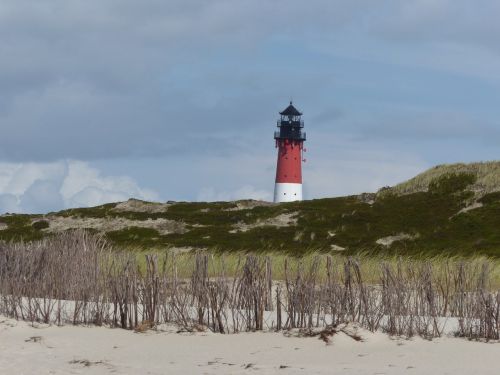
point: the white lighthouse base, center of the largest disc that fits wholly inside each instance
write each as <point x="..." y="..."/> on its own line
<point x="287" y="192"/>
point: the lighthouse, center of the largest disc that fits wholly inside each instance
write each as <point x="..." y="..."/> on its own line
<point x="289" y="142"/>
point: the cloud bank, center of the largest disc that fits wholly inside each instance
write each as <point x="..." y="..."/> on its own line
<point x="183" y="95"/>
<point x="154" y="78"/>
<point x="44" y="187"/>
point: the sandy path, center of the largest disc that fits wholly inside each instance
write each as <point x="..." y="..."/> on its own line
<point x="81" y="350"/>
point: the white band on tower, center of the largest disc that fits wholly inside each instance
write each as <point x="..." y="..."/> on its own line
<point x="287" y="192"/>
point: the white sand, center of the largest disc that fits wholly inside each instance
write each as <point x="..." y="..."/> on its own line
<point x="98" y="350"/>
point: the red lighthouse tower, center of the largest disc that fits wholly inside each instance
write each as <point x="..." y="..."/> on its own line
<point x="289" y="141"/>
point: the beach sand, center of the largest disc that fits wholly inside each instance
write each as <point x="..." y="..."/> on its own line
<point x="41" y="349"/>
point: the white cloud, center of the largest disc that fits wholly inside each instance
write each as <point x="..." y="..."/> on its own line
<point x="17" y="177"/>
<point x="43" y="187"/>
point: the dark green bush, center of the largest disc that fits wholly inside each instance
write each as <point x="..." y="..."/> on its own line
<point x="40" y="224"/>
<point x="452" y="183"/>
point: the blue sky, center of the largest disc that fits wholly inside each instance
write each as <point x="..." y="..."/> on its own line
<point x="178" y="100"/>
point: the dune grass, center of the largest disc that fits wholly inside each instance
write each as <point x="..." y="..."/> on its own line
<point x="229" y="263"/>
<point x="487" y="178"/>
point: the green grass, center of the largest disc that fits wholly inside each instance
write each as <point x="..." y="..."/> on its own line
<point x="134" y="236"/>
<point x="230" y="264"/>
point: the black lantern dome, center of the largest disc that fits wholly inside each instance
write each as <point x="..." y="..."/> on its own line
<point x="290" y="125"/>
<point x="290" y="111"/>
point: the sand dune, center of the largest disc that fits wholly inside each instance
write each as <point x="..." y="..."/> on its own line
<point x="40" y="349"/>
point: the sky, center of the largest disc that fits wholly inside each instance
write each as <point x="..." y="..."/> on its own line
<point x="104" y="100"/>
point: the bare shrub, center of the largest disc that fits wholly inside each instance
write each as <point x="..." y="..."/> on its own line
<point x="77" y="278"/>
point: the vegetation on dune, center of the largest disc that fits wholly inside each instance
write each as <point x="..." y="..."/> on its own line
<point x="99" y="211"/>
<point x="450" y="210"/>
<point x="19" y="228"/>
<point x="487" y="178"/>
